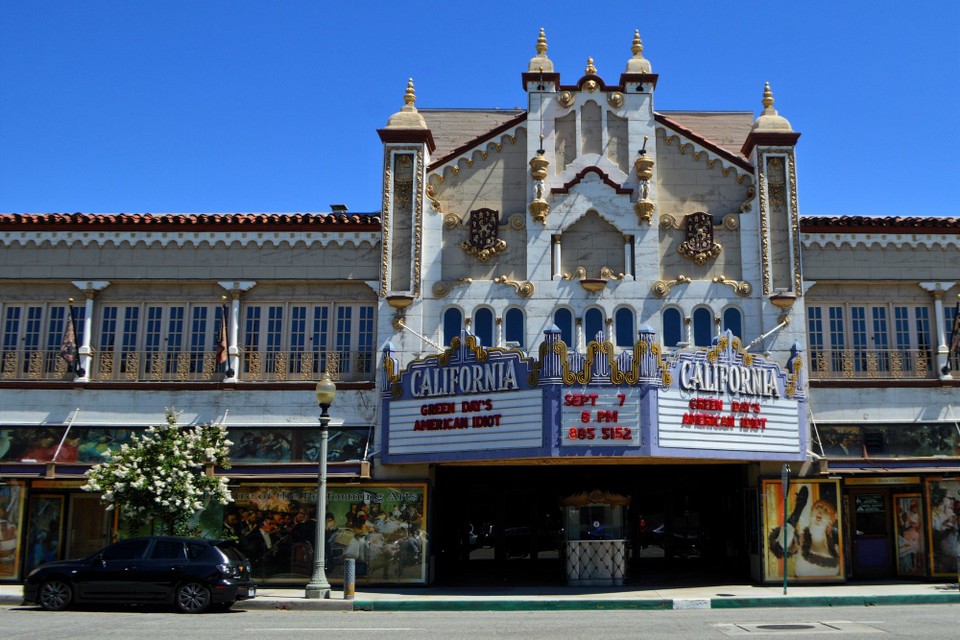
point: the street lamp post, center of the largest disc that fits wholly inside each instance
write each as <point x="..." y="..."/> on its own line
<point x="319" y="587"/>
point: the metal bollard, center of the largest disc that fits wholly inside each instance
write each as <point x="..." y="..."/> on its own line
<point x="349" y="578"/>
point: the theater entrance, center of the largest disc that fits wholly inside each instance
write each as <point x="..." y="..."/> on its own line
<point x="505" y="525"/>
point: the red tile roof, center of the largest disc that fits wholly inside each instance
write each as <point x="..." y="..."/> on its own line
<point x="190" y="221"/>
<point x="876" y="224"/>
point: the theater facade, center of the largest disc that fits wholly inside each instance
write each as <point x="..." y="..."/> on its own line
<point x="586" y="342"/>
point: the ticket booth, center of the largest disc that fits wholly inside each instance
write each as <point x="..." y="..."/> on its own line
<point x="595" y="539"/>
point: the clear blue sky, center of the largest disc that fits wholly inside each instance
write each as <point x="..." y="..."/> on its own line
<point x="236" y="106"/>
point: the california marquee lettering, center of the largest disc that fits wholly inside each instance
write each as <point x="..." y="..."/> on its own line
<point x="719" y="377"/>
<point x="465" y="379"/>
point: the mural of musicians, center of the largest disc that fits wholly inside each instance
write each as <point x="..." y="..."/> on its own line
<point x="382" y="529"/>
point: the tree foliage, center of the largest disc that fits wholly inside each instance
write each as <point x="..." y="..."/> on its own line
<point x="160" y="477"/>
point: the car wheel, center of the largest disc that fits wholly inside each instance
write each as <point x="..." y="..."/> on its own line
<point x="193" y="597"/>
<point x="55" y="595"/>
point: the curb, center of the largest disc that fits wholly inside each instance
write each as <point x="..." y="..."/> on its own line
<point x="659" y="604"/>
<point x="835" y="601"/>
<point x="574" y="604"/>
<point x="513" y="605"/>
<point x="294" y="604"/>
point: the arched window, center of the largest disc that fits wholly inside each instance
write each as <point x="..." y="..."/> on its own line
<point x="672" y="327"/>
<point x="483" y="326"/>
<point x="593" y="324"/>
<point x="733" y="321"/>
<point x="564" y="321"/>
<point x="623" y="319"/>
<point x="513" y="326"/>
<point x="702" y="327"/>
<point x="452" y="323"/>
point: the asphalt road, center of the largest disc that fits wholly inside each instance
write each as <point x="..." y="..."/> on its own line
<point x="914" y="621"/>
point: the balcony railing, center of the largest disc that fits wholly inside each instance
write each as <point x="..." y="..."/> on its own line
<point x="280" y="366"/>
<point x="34" y="365"/>
<point x="857" y="364"/>
<point x="190" y="366"/>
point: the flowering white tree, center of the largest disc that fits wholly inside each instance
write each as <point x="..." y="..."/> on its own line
<point x="161" y="477"/>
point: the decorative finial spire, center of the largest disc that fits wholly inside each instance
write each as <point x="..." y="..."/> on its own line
<point x="769" y="119"/>
<point x="540" y="63"/>
<point x="409" y="96"/>
<point x="767" y="96"/>
<point x="408" y="117"/>
<point x="590" y="70"/>
<point x="637" y="47"/>
<point x="542" y="43"/>
<point x="638" y="64"/>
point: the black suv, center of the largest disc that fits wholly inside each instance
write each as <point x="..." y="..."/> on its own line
<point x="193" y="573"/>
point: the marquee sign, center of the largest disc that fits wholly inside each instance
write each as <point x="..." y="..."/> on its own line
<point x="467" y="399"/>
<point x="726" y="399"/>
<point x="475" y="404"/>
<point x="598" y="416"/>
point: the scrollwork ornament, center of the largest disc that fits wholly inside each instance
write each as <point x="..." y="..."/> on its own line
<point x="432" y="196"/>
<point x="442" y="288"/>
<point x="451" y="221"/>
<point x="607" y="274"/>
<point x="578" y="274"/>
<point x="662" y="287"/>
<point x="740" y="288"/>
<point x="523" y="289"/>
<point x="668" y="221"/>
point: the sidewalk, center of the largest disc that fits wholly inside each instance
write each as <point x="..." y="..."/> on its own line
<point x="569" y="598"/>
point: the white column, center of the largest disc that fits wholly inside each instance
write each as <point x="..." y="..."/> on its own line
<point x="86" y="355"/>
<point x="937" y="289"/>
<point x="628" y="257"/>
<point x="233" y="331"/>
<point x="557" y="274"/>
<point x="90" y="289"/>
<point x="581" y="345"/>
<point x="499" y="322"/>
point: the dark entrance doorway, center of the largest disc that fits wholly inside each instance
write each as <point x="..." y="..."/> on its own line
<point x="872" y="533"/>
<point x="504" y="525"/>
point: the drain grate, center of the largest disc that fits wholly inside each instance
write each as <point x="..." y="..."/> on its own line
<point x="785" y="627"/>
<point x="797" y="628"/>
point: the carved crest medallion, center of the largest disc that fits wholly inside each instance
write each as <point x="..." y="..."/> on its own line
<point x="484" y="242"/>
<point x="699" y="245"/>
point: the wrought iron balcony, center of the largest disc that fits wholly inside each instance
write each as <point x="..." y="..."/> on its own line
<point x="862" y="364"/>
<point x="34" y="365"/>
<point x="189" y="366"/>
<point x="281" y="366"/>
